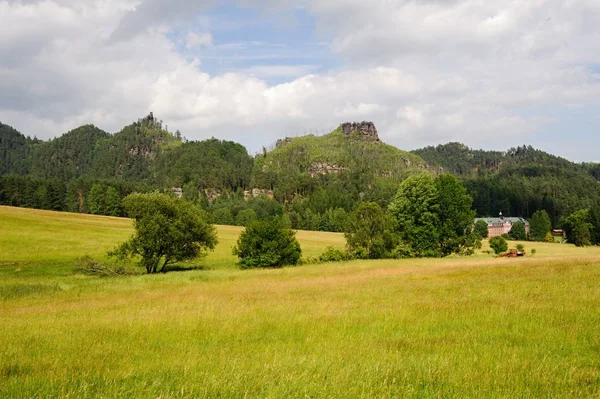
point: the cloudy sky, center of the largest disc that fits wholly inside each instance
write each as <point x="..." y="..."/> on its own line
<point x="491" y="74"/>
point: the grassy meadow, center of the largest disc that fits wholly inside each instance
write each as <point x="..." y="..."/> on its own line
<point x="455" y="327"/>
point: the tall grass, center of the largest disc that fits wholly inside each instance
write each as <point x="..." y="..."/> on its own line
<point x="476" y="327"/>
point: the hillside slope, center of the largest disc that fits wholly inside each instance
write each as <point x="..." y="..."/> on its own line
<point x="352" y="154"/>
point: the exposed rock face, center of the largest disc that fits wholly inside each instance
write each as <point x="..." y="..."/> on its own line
<point x="258" y="192"/>
<point x="212" y="194"/>
<point x="366" y="130"/>
<point x="177" y="191"/>
<point x="322" y="168"/>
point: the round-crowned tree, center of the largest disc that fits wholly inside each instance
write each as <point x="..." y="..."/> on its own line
<point x="267" y="244"/>
<point x="167" y="230"/>
<point x="498" y="244"/>
<point x="518" y="232"/>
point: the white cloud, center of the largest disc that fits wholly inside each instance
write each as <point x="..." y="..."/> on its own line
<point x="195" y="40"/>
<point x="486" y="73"/>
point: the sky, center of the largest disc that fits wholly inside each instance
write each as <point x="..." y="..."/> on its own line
<point x="490" y="74"/>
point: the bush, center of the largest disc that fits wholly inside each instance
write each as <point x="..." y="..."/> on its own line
<point x="520" y="247"/>
<point x="332" y="254"/>
<point x="549" y="237"/>
<point x="267" y="244"/>
<point x="533" y="251"/>
<point x="498" y="244"/>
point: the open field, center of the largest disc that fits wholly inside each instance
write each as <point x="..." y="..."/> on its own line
<point x="460" y="327"/>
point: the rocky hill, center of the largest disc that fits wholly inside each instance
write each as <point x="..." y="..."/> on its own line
<point x="353" y="152"/>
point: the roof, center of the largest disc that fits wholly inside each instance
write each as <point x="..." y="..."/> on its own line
<point x="503" y="220"/>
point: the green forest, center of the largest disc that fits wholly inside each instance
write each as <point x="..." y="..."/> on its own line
<point x="314" y="181"/>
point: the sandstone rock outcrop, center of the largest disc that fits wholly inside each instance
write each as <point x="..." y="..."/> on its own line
<point x="365" y="130"/>
<point x="323" y="168"/>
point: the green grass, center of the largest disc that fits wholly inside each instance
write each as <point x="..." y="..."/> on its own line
<point x="462" y="327"/>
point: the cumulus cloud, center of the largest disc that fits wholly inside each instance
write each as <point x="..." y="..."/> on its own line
<point x="486" y="73"/>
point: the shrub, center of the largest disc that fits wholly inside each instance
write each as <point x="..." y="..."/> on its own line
<point x="549" y="237"/>
<point x="498" y="244"/>
<point x="332" y="254"/>
<point x="520" y="247"/>
<point x="533" y="251"/>
<point x="267" y="244"/>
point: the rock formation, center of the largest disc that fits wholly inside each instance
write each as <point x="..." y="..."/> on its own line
<point x="322" y="168"/>
<point x="365" y="130"/>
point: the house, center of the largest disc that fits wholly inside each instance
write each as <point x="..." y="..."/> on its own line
<point x="502" y="225"/>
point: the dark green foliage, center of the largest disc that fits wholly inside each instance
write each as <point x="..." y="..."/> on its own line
<point x="370" y="232"/>
<point x="104" y="200"/>
<point x="434" y="216"/>
<point x="416" y="209"/>
<point x="540" y="225"/>
<point x="594" y="220"/>
<point x="578" y="228"/>
<point x="267" y="244"/>
<point x="481" y="229"/>
<point x="222" y="216"/>
<point x="498" y="245"/>
<point x="167" y="230"/>
<point x="14" y="151"/>
<point x="208" y="164"/>
<point x="455" y="215"/>
<point x="245" y="216"/>
<point x="69" y="156"/>
<point x="518" y="232"/>
<point x="518" y="182"/>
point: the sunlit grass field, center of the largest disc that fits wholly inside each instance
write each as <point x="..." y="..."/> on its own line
<point x="459" y="327"/>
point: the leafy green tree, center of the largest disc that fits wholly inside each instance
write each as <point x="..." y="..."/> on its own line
<point x="416" y="210"/>
<point x="245" y="216"/>
<point x="578" y="228"/>
<point x="104" y="200"/>
<point x="518" y="232"/>
<point x="190" y="192"/>
<point x="370" y="232"/>
<point x="540" y="225"/>
<point x="267" y="244"/>
<point x="455" y="216"/>
<point x="222" y="216"/>
<point x="498" y="244"/>
<point x="167" y="230"/>
<point x="481" y="229"/>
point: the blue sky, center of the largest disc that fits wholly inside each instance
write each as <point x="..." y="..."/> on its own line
<point x="492" y="75"/>
<point x="272" y="45"/>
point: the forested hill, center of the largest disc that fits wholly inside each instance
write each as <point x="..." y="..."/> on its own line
<point x="518" y="181"/>
<point x="351" y="158"/>
<point x="316" y="180"/>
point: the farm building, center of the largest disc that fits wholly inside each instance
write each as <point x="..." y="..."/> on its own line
<point x="501" y="225"/>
